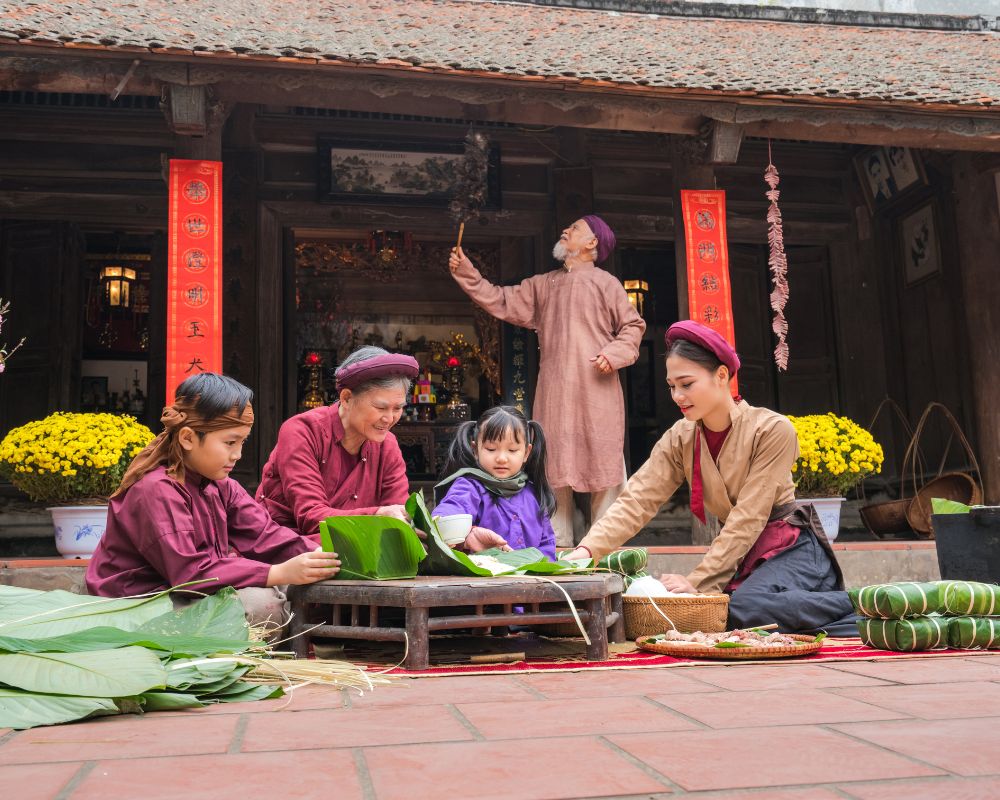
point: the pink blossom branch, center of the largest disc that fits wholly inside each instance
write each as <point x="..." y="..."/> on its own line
<point x="4" y="352"/>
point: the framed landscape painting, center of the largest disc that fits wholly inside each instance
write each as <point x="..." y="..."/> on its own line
<point x="411" y="172"/>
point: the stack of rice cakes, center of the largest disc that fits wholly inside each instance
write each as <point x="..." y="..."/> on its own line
<point x="908" y="617"/>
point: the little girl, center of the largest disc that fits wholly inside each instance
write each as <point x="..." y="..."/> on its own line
<point x="496" y="473"/>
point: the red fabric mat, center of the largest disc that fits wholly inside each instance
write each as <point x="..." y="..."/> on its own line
<point x="833" y="650"/>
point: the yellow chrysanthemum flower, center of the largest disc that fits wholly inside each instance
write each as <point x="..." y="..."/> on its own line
<point x="835" y="454"/>
<point x="71" y="456"/>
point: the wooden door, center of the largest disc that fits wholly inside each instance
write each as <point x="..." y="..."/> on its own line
<point x="752" y="318"/>
<point x="40" y="275"/>
<point x="809" y="386"/>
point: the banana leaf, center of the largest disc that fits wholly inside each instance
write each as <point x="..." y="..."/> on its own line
<point x="372" y="548"/>
<point x="111" y="638"/>
<point x="897" y="600"/>
<point x="166" y="701"/>
<point x="940" y="505"/>
<point x="214" y="624"/>
<point x="217" y="616"/>
<point x="441" y="559"/>
<point x="15" y="595"/>
<point x="243" y="692"/>
<point x="21" y="710"/>
<point x="189" y="675"/>
<point x="532" y="561"/>
<point x="974" y="633"/>
<point x="968" y="598"/>
<point x="101" y="673"/>
<point x="905" y="635"/>
<point x="55" y="613"/>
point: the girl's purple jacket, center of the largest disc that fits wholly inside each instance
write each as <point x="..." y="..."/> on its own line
<point x="518" y="519"/>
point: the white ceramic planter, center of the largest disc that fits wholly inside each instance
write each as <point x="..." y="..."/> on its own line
<point x="78" y="529"/>
<point x="828" y="509"/>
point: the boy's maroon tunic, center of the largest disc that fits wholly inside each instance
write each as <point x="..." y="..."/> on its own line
<point x="310" y="476"/>
<point x="162" y="533"/>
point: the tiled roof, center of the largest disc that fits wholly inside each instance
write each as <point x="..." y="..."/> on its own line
<point x="736" y="57"/>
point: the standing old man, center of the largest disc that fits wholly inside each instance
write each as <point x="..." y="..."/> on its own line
<point x="587" y="331"/>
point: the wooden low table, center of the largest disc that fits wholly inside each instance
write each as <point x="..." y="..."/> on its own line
<point x="350" y="609"/>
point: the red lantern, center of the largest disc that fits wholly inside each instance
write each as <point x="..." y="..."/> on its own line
<point x="454" y="362"/>
<point x="313" y="359"/>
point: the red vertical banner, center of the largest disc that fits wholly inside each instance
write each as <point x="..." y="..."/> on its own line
<point x="710" y="299"/>
<point x="194" y="281"/>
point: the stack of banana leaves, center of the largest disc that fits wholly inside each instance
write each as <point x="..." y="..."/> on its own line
<point x="384" y="548"/>
<point x="66" y="657"/>
<point x="929" y="616"/>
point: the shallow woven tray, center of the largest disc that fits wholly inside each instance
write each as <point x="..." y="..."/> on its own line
<point x="809" y="645"/>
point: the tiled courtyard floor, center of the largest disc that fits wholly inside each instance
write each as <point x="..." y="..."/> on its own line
<point x="908" y="729"/>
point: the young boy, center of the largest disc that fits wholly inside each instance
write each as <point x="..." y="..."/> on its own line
<point x="177" y="515"/>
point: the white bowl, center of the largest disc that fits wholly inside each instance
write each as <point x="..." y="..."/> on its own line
<point x="454" y="528"/>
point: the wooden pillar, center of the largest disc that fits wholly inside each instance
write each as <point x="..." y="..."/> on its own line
<point x="977" y="215"/>
<point x="239" y="259"/>
<point x="196" y="118"/>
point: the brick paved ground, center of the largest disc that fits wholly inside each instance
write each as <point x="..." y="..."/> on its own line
<point x="913" y="729"/>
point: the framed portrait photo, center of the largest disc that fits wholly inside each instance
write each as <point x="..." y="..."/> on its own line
<point x="920" y="244"/>
<point x="887" y="172"/>
<point x="872" y="165"/>
<point x="905" y="168"/>
<point x="397" y="171"/>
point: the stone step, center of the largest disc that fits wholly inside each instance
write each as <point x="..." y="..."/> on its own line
<point x="863" y="563"/>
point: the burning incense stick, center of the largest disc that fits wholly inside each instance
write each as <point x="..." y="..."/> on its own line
<point x="471" y="184"/>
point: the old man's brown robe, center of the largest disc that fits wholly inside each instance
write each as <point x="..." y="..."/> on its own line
<point x="577" y="314"/>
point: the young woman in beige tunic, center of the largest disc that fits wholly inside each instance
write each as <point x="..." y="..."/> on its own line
<point x="587" y="331"/>
<point x="772" y="558"/>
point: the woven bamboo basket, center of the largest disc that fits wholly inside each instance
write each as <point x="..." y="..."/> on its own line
<point x="952" y="485"/>
<point x="706" y="613"/>
<point x="958" y="486"/>
<point x="888" y="517"/>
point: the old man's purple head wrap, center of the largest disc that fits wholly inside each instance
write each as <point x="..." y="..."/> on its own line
<point x="605" y="237"/>
<point x="706" y="338"/>
<point x="382" y="366"/>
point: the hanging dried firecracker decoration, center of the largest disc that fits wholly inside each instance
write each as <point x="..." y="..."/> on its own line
<point x="778" y="264"/>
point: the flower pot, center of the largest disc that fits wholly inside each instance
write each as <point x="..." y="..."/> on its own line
<point x="78" y="529"/>
<point x="828" y="510"/>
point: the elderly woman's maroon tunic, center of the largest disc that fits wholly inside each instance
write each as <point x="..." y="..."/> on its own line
<point x="310" y="476"/>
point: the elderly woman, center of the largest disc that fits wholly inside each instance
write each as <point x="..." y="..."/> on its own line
<point x="342" y="459"/>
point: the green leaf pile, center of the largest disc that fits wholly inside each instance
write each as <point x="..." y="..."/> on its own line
<point x="383" y="548"/>
<point x="66" y="657"/>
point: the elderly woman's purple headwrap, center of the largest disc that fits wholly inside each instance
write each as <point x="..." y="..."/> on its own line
<point x="605" y="237"/>
<point x="383" y="366"/>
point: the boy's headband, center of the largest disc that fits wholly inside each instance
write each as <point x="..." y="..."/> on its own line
<point x="165" y="448"/>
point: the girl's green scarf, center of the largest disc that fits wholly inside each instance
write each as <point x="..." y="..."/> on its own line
<point x="502" y="487"/>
